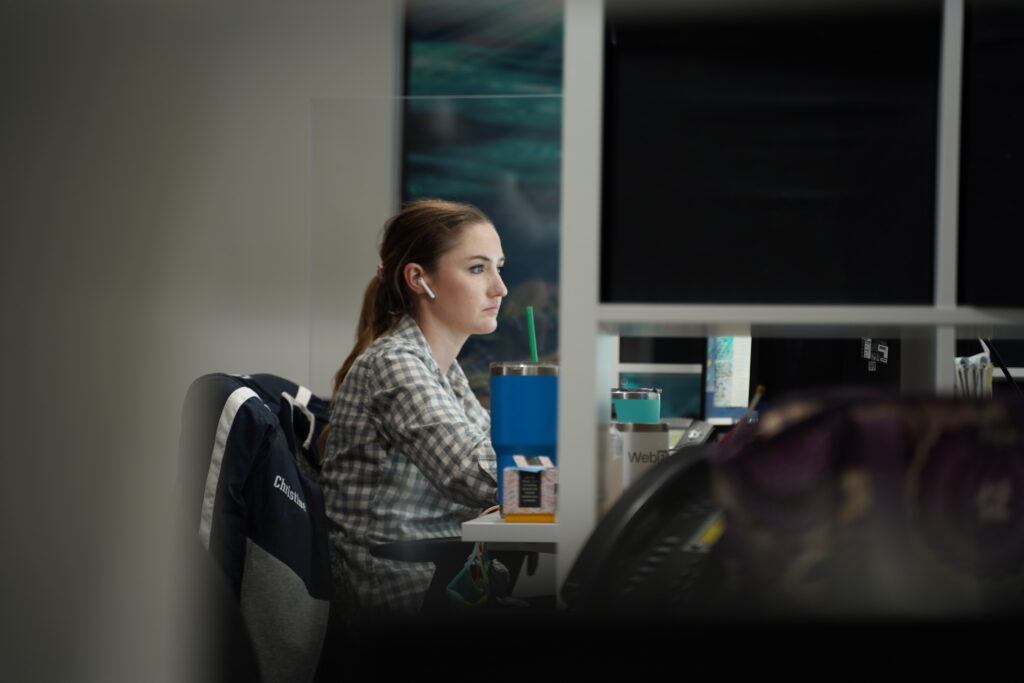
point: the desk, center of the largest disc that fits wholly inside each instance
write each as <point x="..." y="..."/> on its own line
<point x="499" y="534"/>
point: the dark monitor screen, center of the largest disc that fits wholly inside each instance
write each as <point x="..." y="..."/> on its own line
<point x="992" y="154"/>
<point x="775" y="153"/>
<point x="788" y="366"/>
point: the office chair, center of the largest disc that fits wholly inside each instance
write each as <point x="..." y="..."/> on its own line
<point x="250" y="485"/>
<point x="651" y="557"/>
<point x="449" y="555"/>
<point x="211" y="635"/>
<point x="259" y="515"/>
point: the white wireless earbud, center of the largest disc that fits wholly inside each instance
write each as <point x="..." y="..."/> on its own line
<point x="423" y="282"/>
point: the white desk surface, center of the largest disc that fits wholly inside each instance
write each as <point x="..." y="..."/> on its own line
<point x="493" y="529"/>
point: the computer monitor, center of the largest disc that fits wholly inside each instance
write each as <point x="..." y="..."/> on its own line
<point x="787" y="366"/>
<point x="770" y="153"/>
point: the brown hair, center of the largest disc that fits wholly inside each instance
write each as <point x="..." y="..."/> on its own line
<point x="422" y="232"/>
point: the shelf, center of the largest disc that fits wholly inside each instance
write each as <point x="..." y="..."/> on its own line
<point x="767" y="320"/>
<point x="494" y="530"/>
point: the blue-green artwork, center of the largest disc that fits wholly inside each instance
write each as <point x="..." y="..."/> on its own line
<point x="481" y="124"/>
<point x="485" y="47"/>
<point x="727" y="385"/>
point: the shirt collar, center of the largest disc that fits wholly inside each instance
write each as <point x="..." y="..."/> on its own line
<point x="408" y="329"/>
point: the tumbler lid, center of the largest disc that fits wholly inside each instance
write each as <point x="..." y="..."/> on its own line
<point x="640" y="394"/>
<point x="521" y="368"/>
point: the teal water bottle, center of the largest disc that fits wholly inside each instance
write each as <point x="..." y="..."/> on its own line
<point x="641" y="406"/>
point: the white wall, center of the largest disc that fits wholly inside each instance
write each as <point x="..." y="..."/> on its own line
<point x="188" y="187"/>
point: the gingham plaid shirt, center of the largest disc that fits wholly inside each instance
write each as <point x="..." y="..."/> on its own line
<point x="409" y="456"/>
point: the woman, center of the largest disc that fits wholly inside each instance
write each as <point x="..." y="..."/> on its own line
<point x="408" y="455"/>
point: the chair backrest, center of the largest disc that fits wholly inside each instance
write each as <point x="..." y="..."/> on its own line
<point x="646" y="558"/>
<point x="250" y="494"/>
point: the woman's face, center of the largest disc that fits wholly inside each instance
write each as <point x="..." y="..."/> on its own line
<point x="467" y="282"/>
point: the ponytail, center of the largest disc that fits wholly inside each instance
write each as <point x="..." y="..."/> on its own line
<point x="374" y="320"/>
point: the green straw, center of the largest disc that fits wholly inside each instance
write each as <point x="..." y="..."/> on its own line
<point x="533" y="334"/>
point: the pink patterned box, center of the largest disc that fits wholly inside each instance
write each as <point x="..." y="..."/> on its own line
<point x="530" y="488"/>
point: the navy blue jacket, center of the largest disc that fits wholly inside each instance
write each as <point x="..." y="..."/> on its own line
<point x="248" y="468"/>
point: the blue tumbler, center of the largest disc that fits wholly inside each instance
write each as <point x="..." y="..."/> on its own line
<point x="524" y="413"/>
